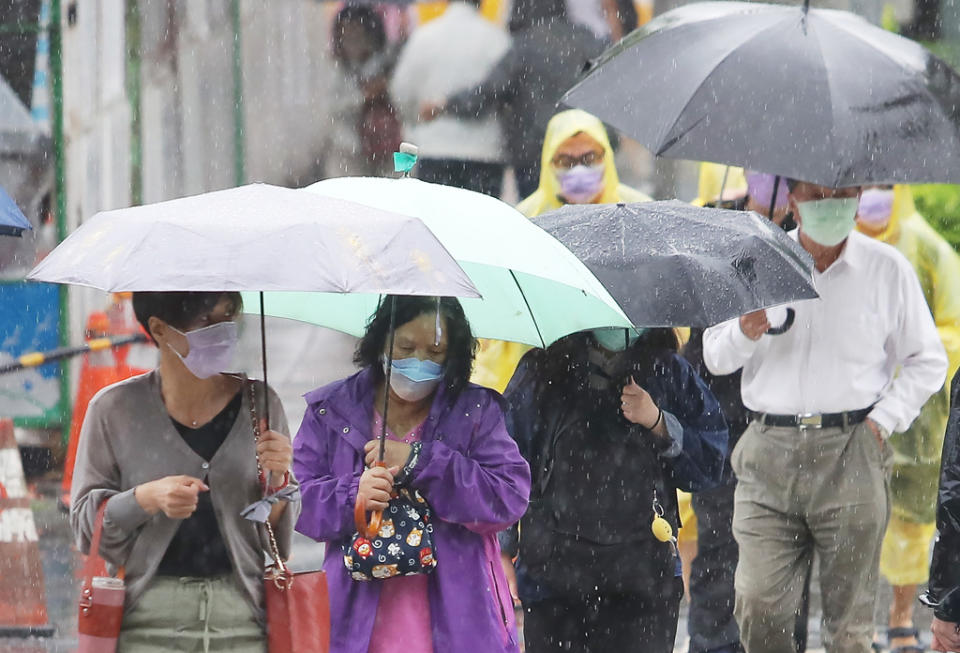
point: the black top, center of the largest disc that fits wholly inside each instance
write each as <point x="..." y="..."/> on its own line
<point x="198" y="549"/>
<point x="945" y="567"/>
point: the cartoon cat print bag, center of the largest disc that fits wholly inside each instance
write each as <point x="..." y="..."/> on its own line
<point x="398" y="542"/>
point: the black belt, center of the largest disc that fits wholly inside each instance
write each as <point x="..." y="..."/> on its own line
<point x="814" y="421"/>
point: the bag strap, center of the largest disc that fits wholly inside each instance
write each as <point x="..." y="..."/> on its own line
<point x="283" y="576"/>
<point x="90" y="565"/>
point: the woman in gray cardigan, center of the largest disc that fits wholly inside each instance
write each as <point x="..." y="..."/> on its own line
<point x="172" y="453"/>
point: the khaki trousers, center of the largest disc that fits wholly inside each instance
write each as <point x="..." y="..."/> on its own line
<point x="802" y="491"/>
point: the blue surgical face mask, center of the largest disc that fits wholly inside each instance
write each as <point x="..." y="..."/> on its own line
<point x="413" y="379"/>
<point x="615" y="339"/>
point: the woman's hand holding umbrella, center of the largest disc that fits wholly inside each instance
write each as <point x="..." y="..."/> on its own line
<point x="640" y="408"/>
<point x="395" y="454"/>
<point x="276" y="454"/>
<point x="376" y="484"/>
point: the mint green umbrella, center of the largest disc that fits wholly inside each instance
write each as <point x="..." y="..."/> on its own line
<point x="533" y="290"/>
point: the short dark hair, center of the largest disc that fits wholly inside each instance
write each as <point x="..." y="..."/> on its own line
<point x="367" y="17"/>
<point x="461" y="346"/>
<point x="179" y="309"/>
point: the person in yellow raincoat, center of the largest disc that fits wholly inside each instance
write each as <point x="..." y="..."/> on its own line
<point x="712" y="177"/>
<point x="888" y="214"/>
<point x="576" y="167"/>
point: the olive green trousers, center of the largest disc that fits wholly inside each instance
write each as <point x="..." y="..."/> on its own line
<point x="201" y="615"/>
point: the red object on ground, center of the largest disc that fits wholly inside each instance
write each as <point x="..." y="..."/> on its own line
<point x="23" y="596"/>
<point x="99" y="370"/>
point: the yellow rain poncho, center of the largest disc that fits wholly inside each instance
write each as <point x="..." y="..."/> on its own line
<point x="917" y="450"/>
<point x="561" y="127"/>
<point x="496" y="359"/>
<point x="711" y="178"/>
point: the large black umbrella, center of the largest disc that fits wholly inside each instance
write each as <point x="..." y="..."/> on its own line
<point x="673" y="264"/>
<point x="817" y="94"/>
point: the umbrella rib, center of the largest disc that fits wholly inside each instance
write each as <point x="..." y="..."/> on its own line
<point x="829" y="99"/>
<point x="533" y="317"/>
<point x="664" y="146"/>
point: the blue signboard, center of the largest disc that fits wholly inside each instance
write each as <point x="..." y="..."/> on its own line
<point x="29" y="322"/>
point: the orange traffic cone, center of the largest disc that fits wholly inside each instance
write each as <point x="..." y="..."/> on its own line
<point x="23" y="596"/>
<point x="99" y="370"/>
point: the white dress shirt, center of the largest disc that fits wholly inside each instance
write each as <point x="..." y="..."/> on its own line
<point x="869" y="340"/>
<point x="447" y="55"/>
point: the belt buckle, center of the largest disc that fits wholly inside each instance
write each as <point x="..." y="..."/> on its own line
<point x="810" y="421"/>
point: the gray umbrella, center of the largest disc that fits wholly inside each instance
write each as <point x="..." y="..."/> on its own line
<point x="673" y="264"/>
<point x="818" y="95"/>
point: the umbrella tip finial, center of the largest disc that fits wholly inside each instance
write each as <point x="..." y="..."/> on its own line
<point x="405" y="159"/>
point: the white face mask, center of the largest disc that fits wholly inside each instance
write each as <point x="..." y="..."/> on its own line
<point x="211" y="349"/>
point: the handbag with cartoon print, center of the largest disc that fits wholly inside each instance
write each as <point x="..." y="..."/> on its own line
<point x="396" y="542"/>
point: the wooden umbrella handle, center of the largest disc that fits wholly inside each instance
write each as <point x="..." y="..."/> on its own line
<point x="360" y="518"/>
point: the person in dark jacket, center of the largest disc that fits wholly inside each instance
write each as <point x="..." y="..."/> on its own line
<point x="944" y="589"/>
<point x="710" y="622"/>
<point x="612" y="422"/>
<point x="547" y="55"/>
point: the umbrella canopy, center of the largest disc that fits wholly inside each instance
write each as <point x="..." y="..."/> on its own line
<point x="12" y="220"/>
<point x="256" y="237"/>
<point x="534" y="290"/>
<point x="817" y="95"/>
<point x="674" y="264"/>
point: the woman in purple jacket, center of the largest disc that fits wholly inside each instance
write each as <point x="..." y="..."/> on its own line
<point x="445" y="438"/>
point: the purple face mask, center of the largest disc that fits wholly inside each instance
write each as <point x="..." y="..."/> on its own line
<point x="581" y="184"/>
<point x="760" y="190"/>
<point x="876" y="205"/>
<point x="211" y="348"/>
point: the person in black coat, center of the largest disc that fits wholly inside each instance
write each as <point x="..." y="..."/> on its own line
<point x="610" y="430"/>
<point x="943" y="594"/>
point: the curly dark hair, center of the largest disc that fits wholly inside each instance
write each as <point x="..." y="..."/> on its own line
<point x="181" y="310"/>
<point x="461" y="345"/>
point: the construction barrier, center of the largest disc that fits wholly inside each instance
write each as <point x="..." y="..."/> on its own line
<point x="23" y="595"/>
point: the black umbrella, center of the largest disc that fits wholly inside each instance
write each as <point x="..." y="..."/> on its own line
<point x="817" y="95"/>
<point x="674" y="264"/>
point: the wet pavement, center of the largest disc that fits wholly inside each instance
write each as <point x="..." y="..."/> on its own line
<point x="61" y="564"/>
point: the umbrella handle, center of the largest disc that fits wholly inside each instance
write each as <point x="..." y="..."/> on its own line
<point x="783" y="328"/>
<point x="360" y="516"/>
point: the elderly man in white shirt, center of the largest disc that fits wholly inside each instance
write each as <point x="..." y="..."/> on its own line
<point x="450" y="54"/>
<point x="813" y="467"/>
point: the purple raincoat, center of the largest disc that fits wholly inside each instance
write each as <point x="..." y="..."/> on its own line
<point x="476" y="482"/>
